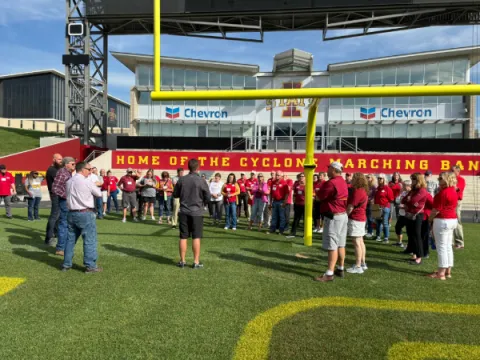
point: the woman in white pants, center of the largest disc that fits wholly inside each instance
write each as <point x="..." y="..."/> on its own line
<point x="444" y="218"/>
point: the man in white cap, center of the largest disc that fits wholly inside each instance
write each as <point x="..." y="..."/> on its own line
<point x="333" y="196"/>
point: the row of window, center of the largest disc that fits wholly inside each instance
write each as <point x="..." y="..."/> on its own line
<point x="145" y="99"/>
<point x="390" y="101"/>
<point x="180" y="78"/>
<point x="449" y="72"/>
<point x="195" y="130"/>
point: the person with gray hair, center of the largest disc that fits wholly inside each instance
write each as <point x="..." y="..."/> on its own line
<point x="81" y="194"/>
<point x="59" y="188"/>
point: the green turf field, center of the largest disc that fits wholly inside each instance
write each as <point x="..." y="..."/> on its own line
<point x="17" y="140"/>
<point x="143" y="307"/>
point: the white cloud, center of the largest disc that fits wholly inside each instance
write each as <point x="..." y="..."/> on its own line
<point x="28" y="10"/>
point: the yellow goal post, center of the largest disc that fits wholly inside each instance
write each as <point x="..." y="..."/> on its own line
<point x="309" y="93"/>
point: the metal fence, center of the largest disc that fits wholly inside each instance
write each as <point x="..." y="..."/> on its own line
<point x="296" y="144"/>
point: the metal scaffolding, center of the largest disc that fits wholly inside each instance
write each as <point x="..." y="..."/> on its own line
<point x="86" y="91"/>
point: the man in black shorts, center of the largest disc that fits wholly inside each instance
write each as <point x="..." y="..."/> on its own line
<point x="194" y="194"/>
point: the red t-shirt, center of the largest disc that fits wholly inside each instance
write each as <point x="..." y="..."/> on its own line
<point x="428" y="206"/>
<point x="241" y="185"/>
<point x="129" y="183"/>
<point x="383" y="196"/>
<point x="230" y="189"/>
<point x="6" y="182"/>
<point x="359" y="199"/>
<point x="415" y="201"/>
<point x="317" y="186"/>
<point x="460" y="187"/>
<point x="113" y="183"/>
<point x="446" y="203"/>
<point x="270" y="182"/>
<point x="290" y="191"/>
<point x="396" y="188"/>
<point x="299" y="193"/>
<point x="334" y="195"/>
<point x="248" y="187"/>
<point x="279" y="190"/>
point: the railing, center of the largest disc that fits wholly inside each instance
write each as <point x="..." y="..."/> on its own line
<point x="93" y="155"/>
<point x="298" y="143"/>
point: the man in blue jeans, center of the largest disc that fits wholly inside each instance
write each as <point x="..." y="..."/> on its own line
<point x="59" y="189"/>
<point x="279" y="198"/>
<point x="81" y="194"/>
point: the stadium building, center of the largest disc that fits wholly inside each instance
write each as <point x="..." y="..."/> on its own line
<point x="36" y="100"/>
<point x="402" y="117"/>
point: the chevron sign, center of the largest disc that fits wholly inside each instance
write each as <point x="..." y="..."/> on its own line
<point x="172" y="113"/>
<point x="367" y="113"/>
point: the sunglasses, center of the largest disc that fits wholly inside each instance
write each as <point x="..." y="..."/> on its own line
<point x="413" y="178"/>
<point x="440" y="178"/>
<point x="89" y="169"/>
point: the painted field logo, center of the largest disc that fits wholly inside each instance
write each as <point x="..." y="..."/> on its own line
<point x="172" y="113"/>
<point x="367" y="113"/>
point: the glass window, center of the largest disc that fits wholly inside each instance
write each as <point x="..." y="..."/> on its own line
<point x="237" y="130"/>
<point x="389" y="76"/>
<point x="416" y="74"/>
<point x="166" y="130"/>
<point x="227" y="81"/>
<point x="348" y="101"/>
<point x="460" y="68"/>
<point x="250" y="82"/>
<point x="144" y="98"/>
<point x="443" y="131"/>
<point x="202" y="79"/>
<point x="375" y="101"/>
<point x="399" y="131"/>
<point x="387" y="131"/>
<point x="214" y="103"/>
<point x="403" y="75"/>
<point x="444" y="99"/>
<point x="178" y="78"/>
<point x="362" y="78"/>
<point x="446" y="69"/>
<point x="457" y="99"/>
<point x="226" y="103"/>
<point x="190" y="130"/>
<point x="361" y="101"/>
<point x="431" y="100"/>
<point x="456" y="131"/>
<point x="212" y="130"/>
<point x="414" y="100"/>
<point x="167" y="77"/>
<point x="190" y="78"/>
<point x="225" y="130"/>
<point x="214" y="80"/>
<point x="190" y="103"/>
<point x="401" y="100"/>
<point x="335" y="102"/>
<point x="177" y="130"/>
<point x="349" y="79"/>
<point x="336" y="80"/>
<point x="238" y="81"/>
<point x="375" y="77"/>
<point x="431" y="73"/>
<point x="388" y="101"/>
<point x="249" y="103"/>
<point x="202" y="103"/>
<point x="144" y="73"/>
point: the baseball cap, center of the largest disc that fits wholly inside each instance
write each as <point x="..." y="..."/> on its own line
<point x="129" y="170"/>
<point x="2" y="167"/>
<point x="336" y="165"/>
<point x="428" y="173"/>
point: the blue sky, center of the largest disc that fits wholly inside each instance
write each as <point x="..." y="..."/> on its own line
<point x="32" y="38"/>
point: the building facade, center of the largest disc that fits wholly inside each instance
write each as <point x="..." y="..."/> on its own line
<point x="40" y="95"/>
<point x="393" y="117"/>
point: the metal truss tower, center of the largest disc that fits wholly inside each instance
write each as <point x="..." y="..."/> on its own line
<point x="86" y="85"/>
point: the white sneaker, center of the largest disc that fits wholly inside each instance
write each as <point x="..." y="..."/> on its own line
<point x="385" y="241"/>
<point x="234" y="229"/>
<point x="320" y="231"/>
<point x="315" y="230"/>
<point x="355" y="270"/>
<point x="225" y="228"/>
<point x="369" y="236"/>
<point x="144" y="218"/>
<point x="124" y="220"/>
<point x="364" y="267"/>
<point x="379" y="239"/>
<point x="153" y="218"/>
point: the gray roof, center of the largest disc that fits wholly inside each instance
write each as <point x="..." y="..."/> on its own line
<point x="54" y="72"/>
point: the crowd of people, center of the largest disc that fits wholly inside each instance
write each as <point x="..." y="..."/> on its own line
<point x="343" y="206"/>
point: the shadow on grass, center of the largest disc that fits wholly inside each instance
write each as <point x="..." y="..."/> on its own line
<point x="271" y="265"/>
<point x="140" y="254"/>
<point x="280" y="256"/>
<point x="42" y="257"/>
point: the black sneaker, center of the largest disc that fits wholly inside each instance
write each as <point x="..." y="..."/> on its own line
<point x="339" y="273"/>
<point x="181" y="264"/>
<point x="197" y="266"/>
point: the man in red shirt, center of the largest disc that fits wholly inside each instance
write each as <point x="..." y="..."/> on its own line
<point x="7" y="189"/>
<point x="248" y="186"/>
<point x="288" y="205"/>
<point x="278" y="200"/>
<point x="242" y="197"/>
<point x="333" y="196"/>
<point x="458" y="233"/>
<point x="128" y="185"/>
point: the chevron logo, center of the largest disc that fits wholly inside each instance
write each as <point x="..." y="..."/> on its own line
<point x="172" y="113"/>
<point x="367" y="113"/>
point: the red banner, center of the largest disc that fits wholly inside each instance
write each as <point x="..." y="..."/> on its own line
<point x="288" y="162"/>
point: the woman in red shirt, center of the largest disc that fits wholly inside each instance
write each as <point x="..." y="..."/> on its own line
<point x="112" y="190"/>
<point x="414" y="205"/>
<point x="165" y="190"/>
<point x="383" y="198"/>
<point x="230" y="191"/>
<point x="396" y="186"/>
<point x="444" y="218"/>
<point x="357" y="219"/>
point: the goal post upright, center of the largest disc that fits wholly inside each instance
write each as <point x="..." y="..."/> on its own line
<point x="310" y="93"/>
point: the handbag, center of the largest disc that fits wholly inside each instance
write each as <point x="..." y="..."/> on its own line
<point x="411" y="216"/>
<point x="377" y="211"/>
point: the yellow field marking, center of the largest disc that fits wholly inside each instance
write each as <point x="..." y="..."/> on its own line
<point x="8" y="284"/>
<point x="255" y="340"/>
<point x="423" y="351"/>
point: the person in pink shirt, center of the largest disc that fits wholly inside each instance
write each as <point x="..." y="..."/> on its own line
<point x="259" y="192"/>
<point x="396" y="186"/>
<point x="458" y="233"/>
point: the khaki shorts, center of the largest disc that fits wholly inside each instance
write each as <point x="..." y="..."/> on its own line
<point x="129" y="200"/>
<point x="335" y="232"/>
<point x="356" y="228"/>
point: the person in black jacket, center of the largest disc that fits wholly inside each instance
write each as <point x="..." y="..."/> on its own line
<point x="52" y="222"/>
<point x="194" y="194"/>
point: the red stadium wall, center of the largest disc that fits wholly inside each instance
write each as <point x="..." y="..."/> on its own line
<point x="265" y="162"/>
<point x="40" y="159"/>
